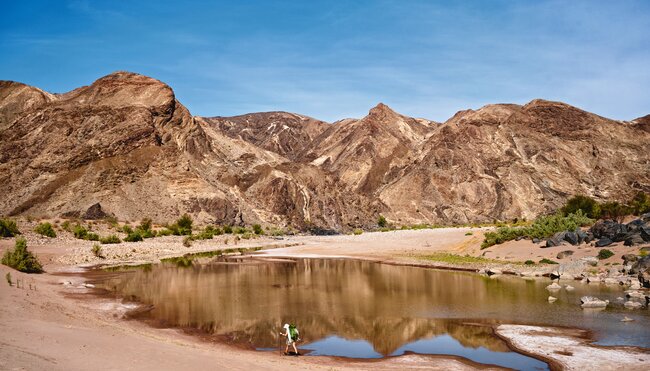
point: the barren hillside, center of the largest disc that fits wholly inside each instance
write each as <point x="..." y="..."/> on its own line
<point x="127" y="143"/>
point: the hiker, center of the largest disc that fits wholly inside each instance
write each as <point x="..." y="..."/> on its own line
<point x="292" y="336"/>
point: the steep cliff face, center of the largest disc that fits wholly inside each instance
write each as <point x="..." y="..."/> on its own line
<point x="126" y="142"/>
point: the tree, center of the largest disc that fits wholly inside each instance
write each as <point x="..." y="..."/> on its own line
<point x="588" y="205"/>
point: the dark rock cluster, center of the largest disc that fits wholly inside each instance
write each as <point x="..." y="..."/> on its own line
<point x="633" y="233"/>
<point x="572" y="237"/>
<point x="606" y="232"/>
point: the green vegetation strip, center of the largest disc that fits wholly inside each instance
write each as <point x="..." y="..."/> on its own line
<point x="460" y="259"/>
<point x="543" y="227"/>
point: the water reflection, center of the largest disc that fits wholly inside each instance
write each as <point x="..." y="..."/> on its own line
<point x="390" y="308"/>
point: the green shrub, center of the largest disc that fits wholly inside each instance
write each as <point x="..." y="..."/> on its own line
<point x="257" y="229"/>
<point x="79" y="232"/>
<point x="529" y="262"/>
<point x="145" y="224"/>
<point x="8" y="228"/>
<point x="542" y="227"/>
<point x="469" y="233"/>
<point x="134" y="236"/>
<point x="164" y="232"/>
<point x="97" y="251"/>
<point x="614" y="210"/>
<point x="587" y="205"/>
<point x="276" y="232"/>
<point x="185" y="224"/>
<point x="21" y="259"/>
<point x="381" y="221"/>
<point x="45" y="229"/>
<point x="182" y="227"/>
<point x="604" y="254"/>
<point x="227" y="229"/>
<point x="240" y="230"/>
<point x="127" y="229"/>
<point x="8" y="278"/>
<point x="357" y="231"/>
<point x="640" y="204"/>
<point x="547" y="261"/>
<point x="207" y="234"/>
<point x="92" y="237"/>
<point x="110" y="239"/>
<point x="187" y="241"/>
<point x="146" y="233"/>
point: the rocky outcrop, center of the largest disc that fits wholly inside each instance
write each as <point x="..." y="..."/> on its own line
<point x="126" y="142"/>
<point x="635" y="232"/>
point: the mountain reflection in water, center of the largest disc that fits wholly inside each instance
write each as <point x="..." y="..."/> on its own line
<point x="388" y="306"/>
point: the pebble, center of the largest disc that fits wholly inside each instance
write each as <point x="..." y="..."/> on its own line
<point x="551" y="299"/>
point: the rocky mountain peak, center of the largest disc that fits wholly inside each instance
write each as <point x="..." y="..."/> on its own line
<point x="121" y="89"/>
<point x="382" y="111"/>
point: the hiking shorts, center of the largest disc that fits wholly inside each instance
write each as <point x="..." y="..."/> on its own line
<point x="289" y="341"/>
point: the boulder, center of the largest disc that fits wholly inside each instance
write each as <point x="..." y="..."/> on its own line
<point x="632" y="304"/>
<point x="556" y="240"/>
<point x="564" y="254"/>
<point x="609" y="229"/>
<point x="582" y="235"/>
<point x="572" y="238"/>
<point x="604" y="242"/>
<point x="551" y="299"/>
<point x="95" y="212"/>
<point x="569" y="288"/>
<point x="641" y="265"/>
<point x="593" y="302"/>
<point x="633" y="239"/>
<point x="644" y="232"/>
<point x="644" y="278"/>
<point x="589" y="238"/>
<point x="493" y="271"/>
<point x="634" y="225"/>
<point x="554" y="286"/>
<point x="567" y="276"/>
<point x="629" y="258"/>
<point x="590" y="260"/>
<point x="635" y="284"/>
<point x="634" y="294"/>
<point x="536" y="240"/>
<point x="645" y="217"/>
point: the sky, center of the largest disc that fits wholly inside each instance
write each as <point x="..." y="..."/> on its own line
<point x="337" y="59"/>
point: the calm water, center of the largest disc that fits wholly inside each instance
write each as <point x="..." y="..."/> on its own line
<point x="361" y="309"/>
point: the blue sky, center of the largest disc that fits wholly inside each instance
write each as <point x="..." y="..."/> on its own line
<point x="337" y="59"/>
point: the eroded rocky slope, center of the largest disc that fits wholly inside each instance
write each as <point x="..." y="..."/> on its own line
<point x="127" y="143"/>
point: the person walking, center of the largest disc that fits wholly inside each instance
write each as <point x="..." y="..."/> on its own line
<point x="291" y="332"/>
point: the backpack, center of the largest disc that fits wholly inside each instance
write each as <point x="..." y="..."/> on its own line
<point x="293" y="332"/>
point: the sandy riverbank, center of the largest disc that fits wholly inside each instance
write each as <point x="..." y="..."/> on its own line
<point x="53" y="327"/>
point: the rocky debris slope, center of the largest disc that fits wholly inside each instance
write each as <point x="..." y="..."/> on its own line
<point x="127" y="143"/>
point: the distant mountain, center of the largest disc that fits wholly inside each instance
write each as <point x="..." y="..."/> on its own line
<point x="127" y="143"/>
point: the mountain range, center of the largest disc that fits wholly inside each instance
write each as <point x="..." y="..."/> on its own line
<point x="127" y="143"/>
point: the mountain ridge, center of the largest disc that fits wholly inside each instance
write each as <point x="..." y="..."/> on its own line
<point x="127" y="142"/>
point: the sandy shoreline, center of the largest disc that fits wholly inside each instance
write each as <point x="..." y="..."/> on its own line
<point x="52" y="327"/>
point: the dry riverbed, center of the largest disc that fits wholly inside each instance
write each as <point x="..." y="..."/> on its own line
<point x="52" y="326"/>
